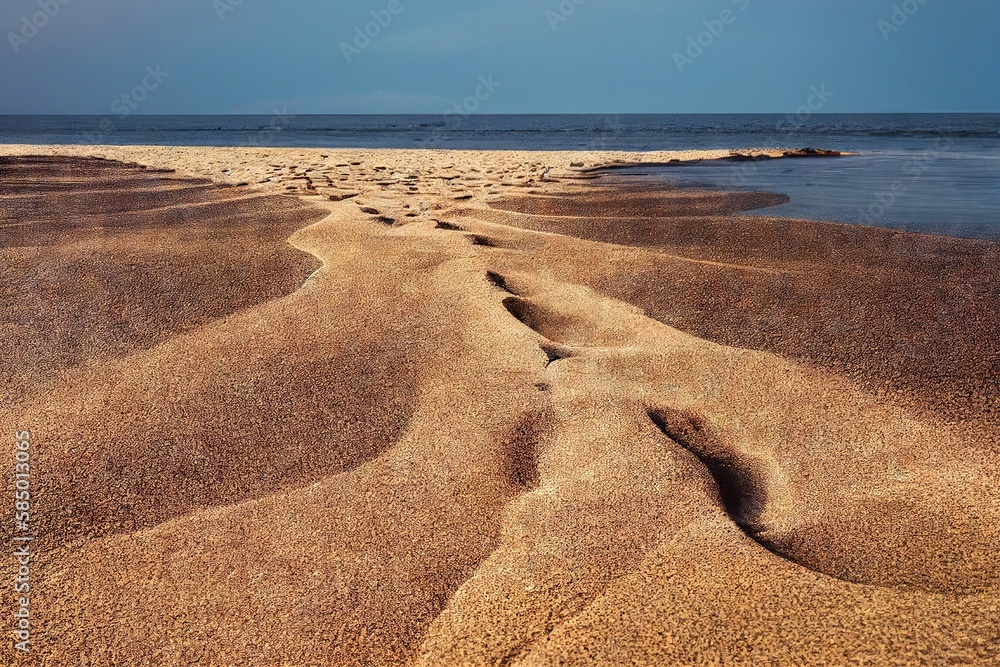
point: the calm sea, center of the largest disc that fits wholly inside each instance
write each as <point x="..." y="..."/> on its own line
<point x="937" y="173"/>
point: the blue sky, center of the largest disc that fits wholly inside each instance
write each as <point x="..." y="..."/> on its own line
<point x="610" y="56"/>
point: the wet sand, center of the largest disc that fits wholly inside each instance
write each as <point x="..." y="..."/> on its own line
<point x="315" y="407"/>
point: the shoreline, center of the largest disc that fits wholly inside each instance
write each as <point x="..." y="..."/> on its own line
<point x="562" y="172"/>
<point x="572" y="162"/>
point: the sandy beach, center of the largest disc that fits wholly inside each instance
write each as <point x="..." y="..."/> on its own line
<point x="420" y="407"/>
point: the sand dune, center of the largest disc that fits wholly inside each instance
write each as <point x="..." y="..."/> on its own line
<point x="545" y="424"/>
<point x="104" y="259"/>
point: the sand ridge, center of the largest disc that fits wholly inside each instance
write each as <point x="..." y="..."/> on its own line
<point x="472" y="437"/>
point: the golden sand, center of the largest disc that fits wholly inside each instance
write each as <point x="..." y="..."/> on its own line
<point x="481" y="410"/>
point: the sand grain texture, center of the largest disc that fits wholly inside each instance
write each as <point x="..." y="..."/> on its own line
<point x="384" y="422"/>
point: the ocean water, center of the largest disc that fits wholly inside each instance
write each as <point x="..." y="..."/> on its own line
<point x="953" y="190"/>
<point x="935" y="173"/>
